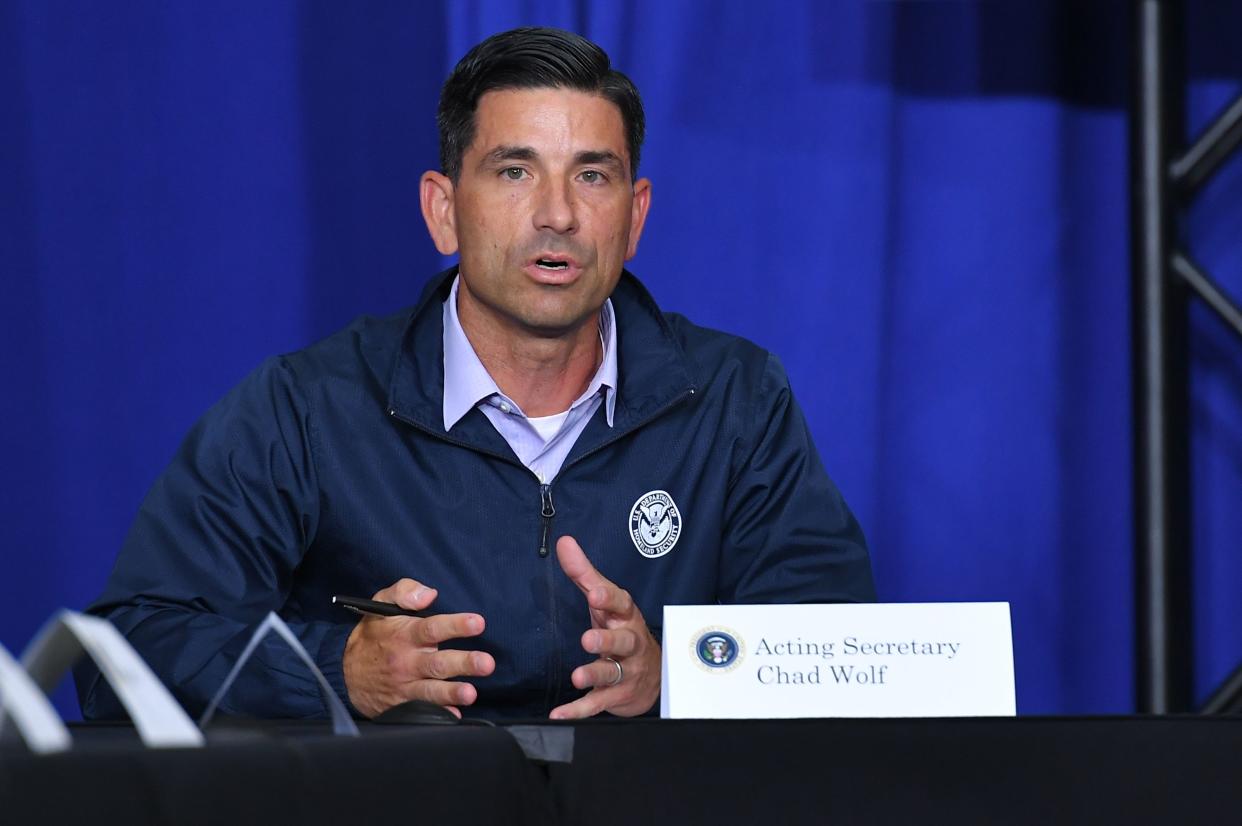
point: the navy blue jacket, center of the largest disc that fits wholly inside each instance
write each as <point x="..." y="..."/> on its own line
<point x="328" y="471"/>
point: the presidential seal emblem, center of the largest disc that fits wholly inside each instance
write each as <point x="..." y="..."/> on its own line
<point x="655" y="524"/>
<point x="718" y="649"/>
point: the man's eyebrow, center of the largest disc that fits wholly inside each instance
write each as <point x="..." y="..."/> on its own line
<point x="591" y="157"/>
<point x="509" y="153"/>
<point x="600" y="157"/>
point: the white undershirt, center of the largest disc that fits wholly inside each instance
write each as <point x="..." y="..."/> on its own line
<point x="547" y="426"/>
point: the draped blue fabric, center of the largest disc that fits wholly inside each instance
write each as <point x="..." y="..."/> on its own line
<point x="921" y="207"/>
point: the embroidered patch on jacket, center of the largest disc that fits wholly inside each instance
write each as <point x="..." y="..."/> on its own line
<point x="655" y="524"/>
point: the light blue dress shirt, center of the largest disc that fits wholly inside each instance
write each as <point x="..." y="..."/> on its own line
<point x="543" y="443"/>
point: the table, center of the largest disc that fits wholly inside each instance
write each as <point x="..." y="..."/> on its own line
<point x="295" y="774"/>
<point x="988" y="771"/>
<point x="1011" y="771"/>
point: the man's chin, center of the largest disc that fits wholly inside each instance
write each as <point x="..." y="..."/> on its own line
<point x="557" y="321"/>
<point x="557" y="327"/>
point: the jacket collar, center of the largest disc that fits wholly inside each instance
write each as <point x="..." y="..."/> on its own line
<point x="653" y="370"/>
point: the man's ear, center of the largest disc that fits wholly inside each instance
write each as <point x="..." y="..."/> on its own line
<point x="638" y="214"/>
<point x="435" y="195"/>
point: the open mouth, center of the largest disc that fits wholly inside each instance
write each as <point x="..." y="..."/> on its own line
<point x="551" y="264"/>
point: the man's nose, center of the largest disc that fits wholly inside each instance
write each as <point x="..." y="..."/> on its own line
<point x="556" y="209"/>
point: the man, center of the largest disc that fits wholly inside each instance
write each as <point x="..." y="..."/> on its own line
<point x="433" y="458"/>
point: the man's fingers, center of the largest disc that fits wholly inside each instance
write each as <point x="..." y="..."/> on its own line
<point x="444" y="627"/>
<point x="446" y="664"/>
<point x="388" y="660"/>
<point x="619" y="642"/>
<point x="618" y="633"/>
<point x="588" y="706"/>
<point x="611" y="599"/>
<point x="408" y="593"/>
<point x="602" y="595"/>
<point x="445" y="693"/>
<point x="577" y="567"/>
<point x="599" y="673"/>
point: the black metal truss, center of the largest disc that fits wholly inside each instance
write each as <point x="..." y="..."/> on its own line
<point x="1166" y="174"/>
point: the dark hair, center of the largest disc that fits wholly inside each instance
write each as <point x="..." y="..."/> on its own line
<point x="531" y="58"/>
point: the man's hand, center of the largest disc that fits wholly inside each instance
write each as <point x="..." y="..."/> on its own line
<point x="389" y="660"/>
<point x="618" y="632"/>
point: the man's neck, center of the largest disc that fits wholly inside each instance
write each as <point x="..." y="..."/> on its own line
<point x="543" y="374"/>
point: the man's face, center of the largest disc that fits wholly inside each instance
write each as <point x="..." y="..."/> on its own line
<point x="544" y="213"/>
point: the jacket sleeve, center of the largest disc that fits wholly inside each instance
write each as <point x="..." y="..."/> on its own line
<point x="789" y="535"/>
<point x="213" y="549"/>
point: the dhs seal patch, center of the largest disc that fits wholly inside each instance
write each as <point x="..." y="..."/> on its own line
<point x="655" y="524"/>
<point x="718" y="649"/>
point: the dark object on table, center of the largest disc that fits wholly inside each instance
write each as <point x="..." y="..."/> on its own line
<point x="417" y="713"/>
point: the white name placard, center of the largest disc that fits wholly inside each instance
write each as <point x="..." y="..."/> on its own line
<point x="874" y="660"/>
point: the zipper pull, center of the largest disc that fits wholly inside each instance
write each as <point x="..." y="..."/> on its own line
<point x="547" y="512"/>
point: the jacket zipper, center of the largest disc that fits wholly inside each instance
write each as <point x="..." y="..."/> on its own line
<point x="547" y="511"/>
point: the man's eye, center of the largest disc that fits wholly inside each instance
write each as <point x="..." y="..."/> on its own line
<point x="514" y="173"/>
<point x="591" y="176"/>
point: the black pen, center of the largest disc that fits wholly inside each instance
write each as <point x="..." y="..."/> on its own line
<point x="369" y="606"/>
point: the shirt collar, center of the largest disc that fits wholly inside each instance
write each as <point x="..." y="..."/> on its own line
<point x="467" y="382"/>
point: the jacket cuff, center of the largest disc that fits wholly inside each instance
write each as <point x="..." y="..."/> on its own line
<point x="331" y="662"/>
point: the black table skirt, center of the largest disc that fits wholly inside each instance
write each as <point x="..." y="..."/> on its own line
<point x="282" y="775"/>
<point x="1008" y="771"/>
<point x="1012" y="771"/>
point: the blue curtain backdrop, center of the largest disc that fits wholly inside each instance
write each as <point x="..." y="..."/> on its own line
<point x="922" y="207"/>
